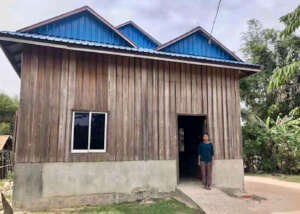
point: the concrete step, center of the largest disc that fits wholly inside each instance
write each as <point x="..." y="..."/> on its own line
<point x="212" y="201"/>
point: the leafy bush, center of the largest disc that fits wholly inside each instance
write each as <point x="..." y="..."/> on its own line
<point x="272" y="146"/>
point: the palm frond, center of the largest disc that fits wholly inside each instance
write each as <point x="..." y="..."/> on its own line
<point x="282" y="75"/>
<point x="292" y="22"/>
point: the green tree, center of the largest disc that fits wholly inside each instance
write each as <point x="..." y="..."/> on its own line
<point x="258" y="48"/>
<point x="274" y="147"/>
<point x="266" y="48"/>
<point x="8" y="107"/>
<point x="288" y="73"/>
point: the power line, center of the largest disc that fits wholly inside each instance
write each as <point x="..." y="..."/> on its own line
<point x="212" y="28"/>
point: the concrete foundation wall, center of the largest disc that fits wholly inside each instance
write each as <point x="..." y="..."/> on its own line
<point x="229" y="174"/>
<point x="57" y="185"/>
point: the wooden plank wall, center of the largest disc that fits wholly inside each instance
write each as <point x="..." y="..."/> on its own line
<point x="142" y="98"/>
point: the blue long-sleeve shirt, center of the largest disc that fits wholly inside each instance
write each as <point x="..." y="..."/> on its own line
<point x="206" y="151"/>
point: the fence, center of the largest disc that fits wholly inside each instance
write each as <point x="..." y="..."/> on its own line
<point x="6" y="164"/>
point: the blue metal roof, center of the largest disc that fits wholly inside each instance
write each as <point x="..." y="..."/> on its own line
<point x="197" y="44"/>
<point x="82" y="26"/>
<point x="44" y="38"/>
<point x="137" y="36"/>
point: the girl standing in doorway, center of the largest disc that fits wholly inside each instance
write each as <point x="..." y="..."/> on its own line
<point x="206" y="160"/>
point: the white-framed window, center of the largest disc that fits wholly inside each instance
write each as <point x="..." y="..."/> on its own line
<point x="89" y="132"/>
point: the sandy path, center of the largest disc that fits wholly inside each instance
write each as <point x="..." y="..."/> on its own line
<point x="282" y="197"/>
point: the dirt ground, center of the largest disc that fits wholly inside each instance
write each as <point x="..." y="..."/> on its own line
<point x="281" y="197"/>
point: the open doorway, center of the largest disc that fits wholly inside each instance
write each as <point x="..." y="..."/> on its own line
<point x="190" y="131"/>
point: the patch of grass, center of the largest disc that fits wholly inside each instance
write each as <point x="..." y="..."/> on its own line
<point x="258" y="174"/>
<point x="159" y="207"/>
<point x="283" y="177"/>
<point x="290" y="178"/>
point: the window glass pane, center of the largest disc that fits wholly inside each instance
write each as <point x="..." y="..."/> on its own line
<point x="81" y="131"/>
<point x="97" y="131"/>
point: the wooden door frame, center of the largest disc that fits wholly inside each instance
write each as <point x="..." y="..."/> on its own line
<point x="177" y="152"/>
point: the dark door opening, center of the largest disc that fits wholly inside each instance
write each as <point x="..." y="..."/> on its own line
<point x="190" y="131"/>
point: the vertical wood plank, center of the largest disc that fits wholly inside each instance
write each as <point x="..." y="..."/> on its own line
<point x="105" y="83"/>
<point x="215" y="113"/>
<point x="210" y="105"/>
<point x="99" y="82"/>
<point x="225" y="116"/>
<point x="155" y="111"/>
<point x="198" y="89"/>
<point x="138" y="117"/>
<point x="34" y="122"/>
<point x="220" y="127"/>
<point x="204" y="90"/>
<point x="161" y="133"/>
<point x="194" y="92"/>
<point x="112" y="102"/>
<point x="46" y="107"/>
<point x="167" y="109"/>
<point x="183" y="89"/>
<point x="239" y="144"/>
<point x="172" y="113"/>
<point x="29" y="111"/>
<point x="150" y="112"/>
<point x="119" y="127"/>
<point x="188" y="86"/>
<point x="178" y="88"/>
<point x="230" y="113"/>
<point x="63" y="106"/>
<point x="144" y="107"/>
<point x="54" y="103"/>
<point x="131" y="118"/>
<point x="40" y="114"/>
<point x="71" y="103"/>
<point x="21" y="135"/>
<point x="125" y="111"/>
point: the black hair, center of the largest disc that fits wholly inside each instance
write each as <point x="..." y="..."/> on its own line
<point x="205" y="133"/>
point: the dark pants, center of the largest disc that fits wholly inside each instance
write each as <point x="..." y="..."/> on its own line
<point x="206" y="171"/>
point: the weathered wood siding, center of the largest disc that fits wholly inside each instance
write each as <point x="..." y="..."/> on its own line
<point x="142" y="98"/>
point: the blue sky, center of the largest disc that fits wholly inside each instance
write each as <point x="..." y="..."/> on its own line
<point x="164" y="20"/>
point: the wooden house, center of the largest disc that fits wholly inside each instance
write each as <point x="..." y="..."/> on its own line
<point x="108" y="114"/>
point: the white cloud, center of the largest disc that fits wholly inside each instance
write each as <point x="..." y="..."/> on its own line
<point x="162" y="19"/>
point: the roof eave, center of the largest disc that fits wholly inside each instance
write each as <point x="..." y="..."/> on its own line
<point x="11" y="60"/>
<point x="106" y="50"/>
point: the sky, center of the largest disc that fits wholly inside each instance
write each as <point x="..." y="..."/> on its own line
<point x="164" y="20"/>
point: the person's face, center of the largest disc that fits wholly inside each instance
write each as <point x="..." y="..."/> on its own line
<point x="205" y="137"/>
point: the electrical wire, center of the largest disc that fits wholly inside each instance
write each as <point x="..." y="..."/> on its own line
<point x="212" y="28"/>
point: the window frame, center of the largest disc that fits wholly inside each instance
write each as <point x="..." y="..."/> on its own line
<point x="88" y="150"/>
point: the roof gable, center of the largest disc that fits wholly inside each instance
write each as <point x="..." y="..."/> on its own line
<point x="138" y="35"/>
<point x="196" y="42"/>
<point x="82" y="24"/>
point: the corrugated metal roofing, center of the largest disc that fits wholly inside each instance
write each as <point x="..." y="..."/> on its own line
<point x="82" y="26"/>
<point x="98" y="44"/>
<point x="197" y="44"/>
<point x="137" y="35"/>
<point x="186" y="44"/>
